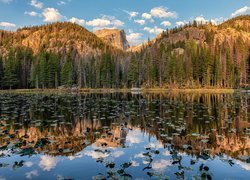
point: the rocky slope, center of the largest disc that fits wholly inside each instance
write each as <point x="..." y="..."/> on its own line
<point x="208" y="34"/>
<point x="115" y="37"/>
<point x="60" y="38"/>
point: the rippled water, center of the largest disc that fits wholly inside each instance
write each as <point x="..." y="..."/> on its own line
<point x="124" y="136"/>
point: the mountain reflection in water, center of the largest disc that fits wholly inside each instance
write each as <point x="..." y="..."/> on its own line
<point x="120" y="135"/>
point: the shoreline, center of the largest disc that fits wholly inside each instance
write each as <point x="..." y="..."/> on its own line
<point x="143" y="90"/>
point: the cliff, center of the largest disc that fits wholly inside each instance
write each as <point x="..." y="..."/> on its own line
<point x="115" y="37"/>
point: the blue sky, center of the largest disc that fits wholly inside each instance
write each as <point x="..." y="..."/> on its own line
<point x="141" y="19"/>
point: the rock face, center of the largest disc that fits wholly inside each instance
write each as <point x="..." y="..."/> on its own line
<point x="115" y="37"/>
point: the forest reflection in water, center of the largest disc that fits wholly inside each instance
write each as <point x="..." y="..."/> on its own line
<point x="120" y="135"/>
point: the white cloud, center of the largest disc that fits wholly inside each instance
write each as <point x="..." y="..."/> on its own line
<point x="105" y="22"/>
<point x="162" y="12"/>
<point x="180" y="23"/>
<point x="99" y="22"/>
<point x="134" y="163"/>
<point x="134" y="36"/>
<point x="217" y="21"/>
<point x="117" y="22"/>
<point x="7" y="25"/>
<point x="96" y="154"/>
<point x="201" y="20"/>
<point x="31" y="13"/>
<point x="134" y="137"/>
<point x="31" y="174"/>
<point x="117" y="154"/>
<point x="51" y="15"/>
<point x="140" y="21"/>
<point x="5" y="1"/>
<point x="28" y="163"/>
<point x="146" y="16"/>
<point x="154" y="30"/>
<point x="166" y="23"/>
<point x="77" y="21"/>
<point x="160" y="165"/>
<point x="36" y="4"/>
<point x="47" y="162"/>
<point x="131" y="14"/>
<point x="240" y="11"/>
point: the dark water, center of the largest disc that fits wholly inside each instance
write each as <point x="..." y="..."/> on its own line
<point x="124" y="136"/>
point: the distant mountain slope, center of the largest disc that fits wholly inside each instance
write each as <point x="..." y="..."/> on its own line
<point x="229" y="30"/>
<point x="115" y="37"/>
<point x="61" y="38"/>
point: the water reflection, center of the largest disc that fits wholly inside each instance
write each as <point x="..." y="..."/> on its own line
<point x="127" y="136"/>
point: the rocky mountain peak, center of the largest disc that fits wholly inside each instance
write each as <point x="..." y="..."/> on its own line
<point x="115" y="37"/>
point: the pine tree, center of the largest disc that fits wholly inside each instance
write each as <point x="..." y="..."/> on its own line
<point x="133" y="73"/>
<point x="1" y="72"/>
<point x="10" y="71"/>
<point x="67" y="73"/>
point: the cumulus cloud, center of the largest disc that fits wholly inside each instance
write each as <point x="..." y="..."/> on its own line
<point x="161" y="165"/>
<point x="201" y="20"/>
<point x="77" y="21"/>
<point x="7" y="25"/>
<point x="5" y="1"/>
<point x="240" y="11"/>
<point x="154" y="30"/>
<point x="51" y="15"/>
<point x="99" y="22"/>
<point x="31" y="13"/>
<point x="162" y="12"/>
<point x="217" y="21"/>
<point x="131" y="14"/>
<point x="140" y="21"/>
<point x="146" y="16"/>
<point x="47" y="162"/>
<point x="180" y="23"/>
<point x="105" y="22"/>
<point x="166" y="23"/>
<point x="31" y="174"/>
<point x="96" y="154"/>
<point x="36" y="4"/>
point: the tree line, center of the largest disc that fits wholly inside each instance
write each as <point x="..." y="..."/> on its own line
<point x="181" y="65"/>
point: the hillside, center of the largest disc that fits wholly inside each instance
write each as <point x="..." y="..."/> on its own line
<point x="60" y="38"/>
<point x="197" y="55"/>
<point x="115" y="37"/>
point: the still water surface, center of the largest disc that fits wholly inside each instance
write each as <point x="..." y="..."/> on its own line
<point x="124" y="136"/>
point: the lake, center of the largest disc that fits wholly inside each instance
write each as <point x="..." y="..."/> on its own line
<point x="124" y="136"/>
